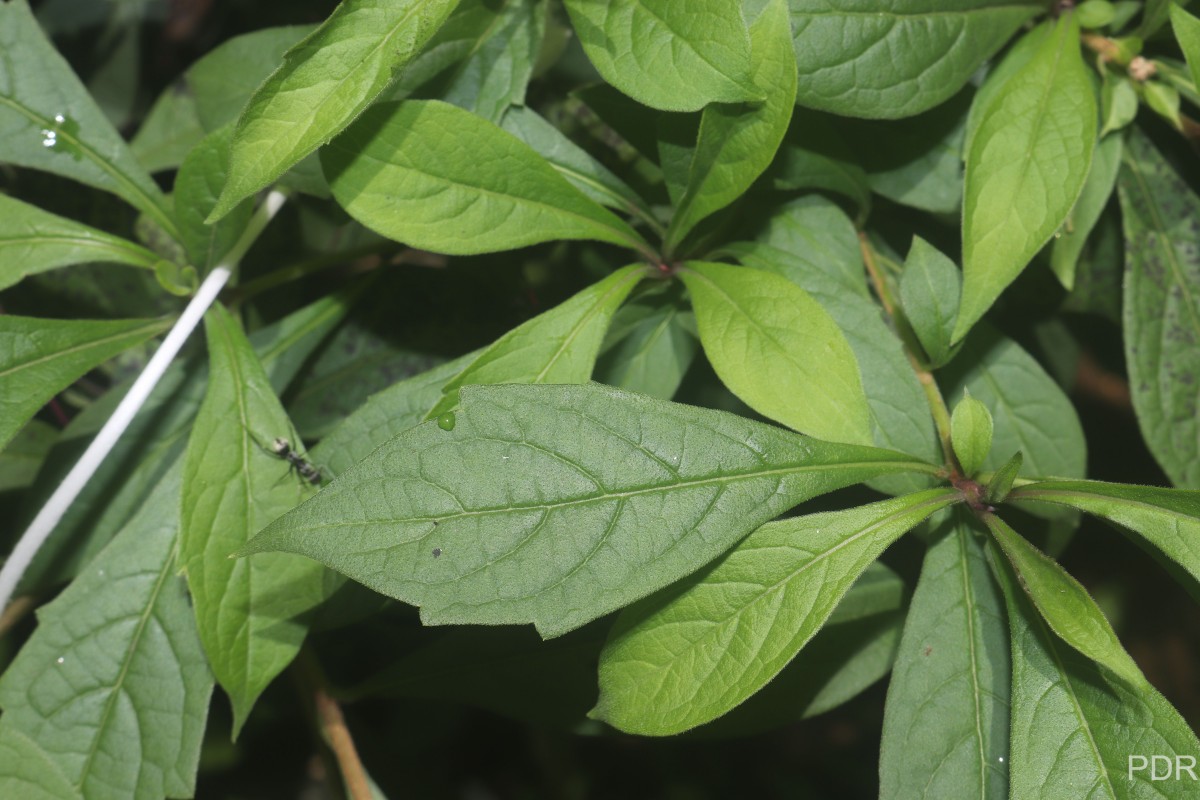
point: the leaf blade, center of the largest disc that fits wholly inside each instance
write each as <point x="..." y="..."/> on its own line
<point x="324" y="82"/>
<point x="410" y="192"/>
<point x="130" y="722"/>
<point x="39" y="88"/>
<point x="736" y="144"/>
<point x="1026" y="165"/>
<point x="753" y="324"/>
<point x="536" y="494"/>
<point x="686" y="657"/>
<point x="40" y="357"/>
<point x="898" y="57"/>
<point x="248" y="615"/>
<point x="668" y="55"/>
<point x="1162" y="307"/>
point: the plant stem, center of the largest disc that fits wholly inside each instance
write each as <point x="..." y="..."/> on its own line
<point x="333" y="725"/>
<point x="933" y="394"/>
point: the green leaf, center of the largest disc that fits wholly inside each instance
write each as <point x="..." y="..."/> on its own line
<point x="27" y="771"/>
<point x="249" y="612"/>
<point x="113" y="684"/>
<point x="533" y="508"/>
<point x="853" y="650"/>
<point x="439" y="178"/>
<point x="971" y="433"/>
<point x="814" y="156"/>
<point x="1187" y="33"/>
<point x="482" y="57"/>
<point x="666" y="54"/>
<point x="33" y="241"/>
<point x="1118" y="103"/>
<point x="41" y="357"/>
<point x="1022" y="51"/>
<point x="1026" y="165"/>
<point x="1075" y="725"/>
<point x="226" y="77"/>
<point x="169" y="131"/>
<point x="1029" y="411"/>
<point x="930" y="287"/>
<point x="1169" y="519"/>
<point x="1095" y="13"/>
<point x="155" y="439"/>
<point x="1000" y="485"/>
<point x="811" y="242"/>
<point x="916" y="161"/>
<point x="574" y="163"/>
<point x="1069" y="242"/>
<point x="1162" y="307"/>
<point x="24" y="455"/>
<point x="737" y="142"/>
<point x="1064" y="604"/>
<point x="895" y="58"/>
<point x="558" y="346"/>
<point x="49" y="122"/>
<point x="778" y="350"/>
<point x="385" y="415"/>
<point x="323" y="84"/>
<point x="945" y="725"/>
<point x="655" y="354"/>
<point x="689" y="655"/>
<point x="197" y="185"/>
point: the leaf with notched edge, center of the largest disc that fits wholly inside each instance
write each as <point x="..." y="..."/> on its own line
<point x="558" y="504"/>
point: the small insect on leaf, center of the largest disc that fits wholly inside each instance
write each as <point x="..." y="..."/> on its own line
<point x="446" y="421"/>
<point x="283" y="448"/>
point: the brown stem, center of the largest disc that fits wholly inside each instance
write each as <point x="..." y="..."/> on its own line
<point x="16" y="611"/>
<point x="333" y="724"/>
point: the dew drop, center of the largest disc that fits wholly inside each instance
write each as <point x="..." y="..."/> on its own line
<point x="446" y="421"/>
<point x="1001" y="759"/>
<point x="60" y="660"/>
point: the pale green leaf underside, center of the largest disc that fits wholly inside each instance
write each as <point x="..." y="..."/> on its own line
<point x="33" y="240"/>
<point x="324" y="82"/>
<point x="113" y="685"/>
<point x="1075" y="724"/>
<point x="895" y="58"/>
<point x="558" y="504"/>
<point x="41" y="357"/>
<point x="686" y="657"/>
<point x="1065" y="605"/>
<point x="675" y="55"/>
<point x="249" y="613"/>
<point x="37" y="87"/>
<point x="437" y="177"/>
<point x="945" y="725"/>
<point x="778" y="350"/>
<point x="1102" y="178"/>
<point x="1169" y="519"/>
<point x="1162" y="307"/>
<point x="1026" y="165"/>
<point x="558" y="346"/>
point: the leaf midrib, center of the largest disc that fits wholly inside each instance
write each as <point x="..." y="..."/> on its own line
<point x="89" y="344"/>
<point x="915" y="466"/>
<point x="148" y="203"/>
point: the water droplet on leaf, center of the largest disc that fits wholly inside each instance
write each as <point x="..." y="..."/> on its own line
<point x="446" y="421"/>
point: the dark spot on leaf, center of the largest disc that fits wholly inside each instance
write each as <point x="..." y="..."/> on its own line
<point x="928" y="649"/>
<point x="437" y="551"/>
